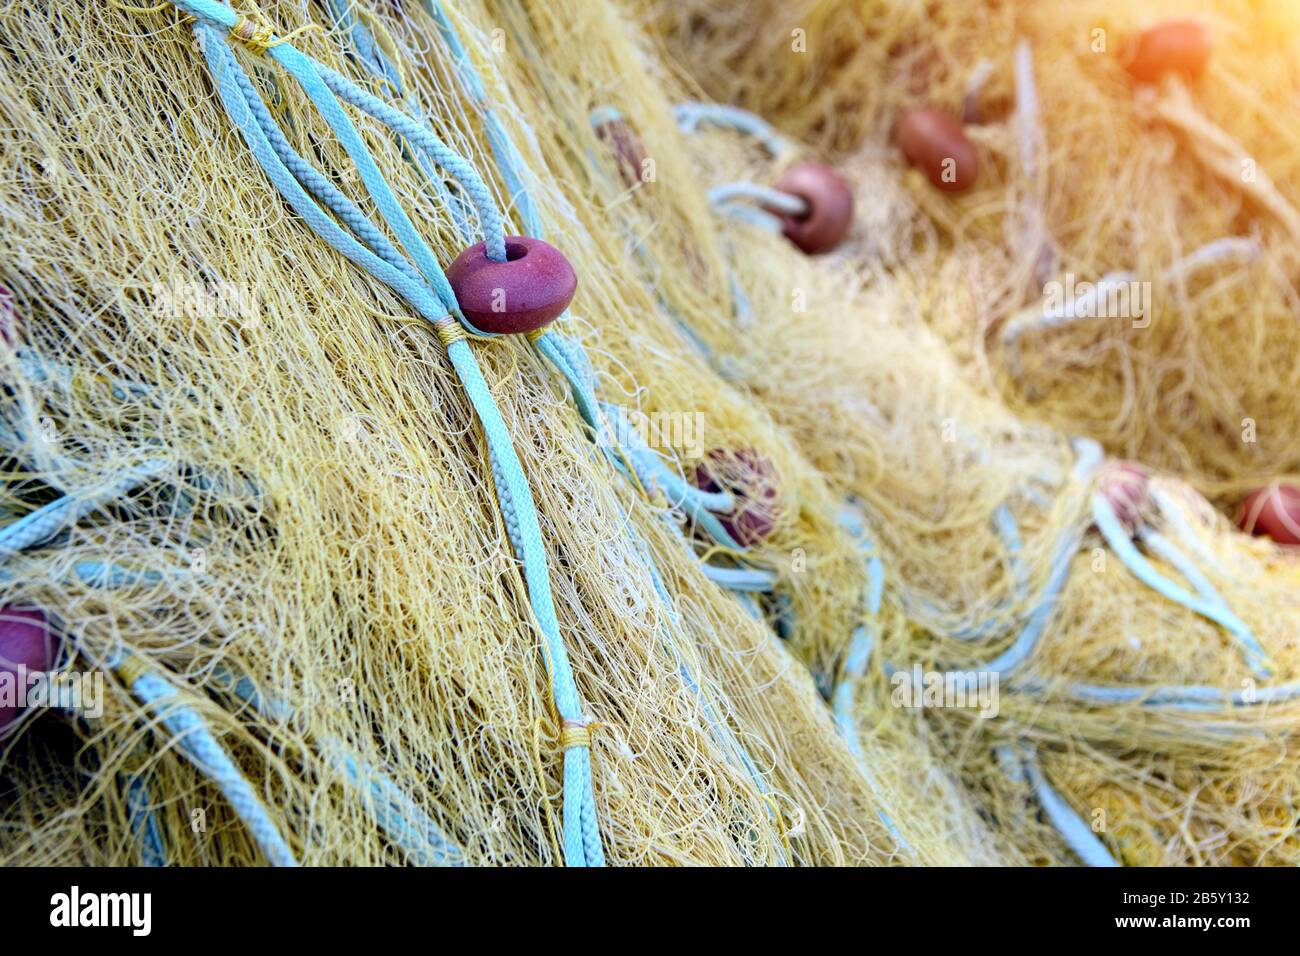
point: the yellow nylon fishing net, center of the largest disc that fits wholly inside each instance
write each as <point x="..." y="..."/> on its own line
<point x="252" y="491"/>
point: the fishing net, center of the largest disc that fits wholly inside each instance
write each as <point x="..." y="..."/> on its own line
<point x="1132" y="678"/>
<point x="650" y="587"/>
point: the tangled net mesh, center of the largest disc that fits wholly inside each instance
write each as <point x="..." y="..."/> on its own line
<point x="311" y="511"/>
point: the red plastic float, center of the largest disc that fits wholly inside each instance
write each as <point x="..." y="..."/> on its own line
<point x="752" y="479"/>
<point x="829" y="199"/>
<point x="1126" y="488"/>
<point x="1174" y="46"/>
<point x="526" y="292"/>
<point x="1273" y="510"/>
<point x="27" y="645"/>
<point x="936" y="143"/>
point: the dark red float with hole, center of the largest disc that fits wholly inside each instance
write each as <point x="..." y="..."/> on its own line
<point x="523" y="294"/>
<point x="1273" y="510"/>
<point x="27" y="645"/>
<point x="1126" y="488"/>
<point x="752" y="479"/>
<point x="829" y="199"/>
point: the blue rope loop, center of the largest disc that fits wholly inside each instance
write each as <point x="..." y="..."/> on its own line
<point x="1207" y="602"/>
<point x="201" y="748"/>
<point x="691" y="116"/>
<point x="1078" y="836"/>
<point x="424" y="286"/>
<point x="143" y="819"/>
<point x="857" y="661"/>
<point x="409" y="827"/>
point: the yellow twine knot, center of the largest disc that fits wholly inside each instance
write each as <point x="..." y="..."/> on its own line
<point x="450" y="331"/>
<point x="257" y="38"/>
<point x="576" y="733"/>
<point x="131" y="669"/>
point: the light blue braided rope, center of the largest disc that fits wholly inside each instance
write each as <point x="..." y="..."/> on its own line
<point x="322" y="85"/>
<point x="581" y="840"/>
<point x="414" y="832"/>
<point x="1167" y="551"/>
<point x="1177" y="521"/>
<point x="1088" y="457"/>
<point x="1009" y="532"/>
<point x="553" y="347"/>
<point x="421" y="137"/>
<point x="581" y="834"/>
<point x="691" y="116"/>
<point x="408" y="826"/>
<point x="1186" y="697"/>
<point x="202" y="750"/>
<point x="740" y="303"/>
<point x="740" y="579"/>
<point x="44" y="524"/>
<point x="676" y="489"/>
<point x="316" y="183"/>
<point x="373" y="58"/>
<point x="691" y="500"/>
<point x="107" y="575"/>
<point x="990" y="626"/>
<point x="1209" y="605"/>
<point x="857" y="661"/>
<point x="402" y="279"/>
<point x="509" y="161"/>
<point x="719" y="728"/>
<point x="144" y="822"/>
<point x="766" y="196"/>
<point x="751" y="607"/>
<point x="367" y="49"/>
<point x="48" y="520"/>
<point x="652" y="473"/>
<point x="1208" y="602"/>
<point x="1077" y="835"/>
<point x="577" y="357"/>
<point x="750" y="215"/>
<point x="310" y="74"/>
<point x="43" y="371"/>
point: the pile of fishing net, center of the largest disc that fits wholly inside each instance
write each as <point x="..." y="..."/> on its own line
<point x="322" y="560"/>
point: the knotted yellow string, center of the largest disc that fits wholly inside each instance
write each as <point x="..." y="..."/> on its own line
<point x="450" y="331"/>
<point x="131" y="669"/>
<point x="576" y="733"/>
